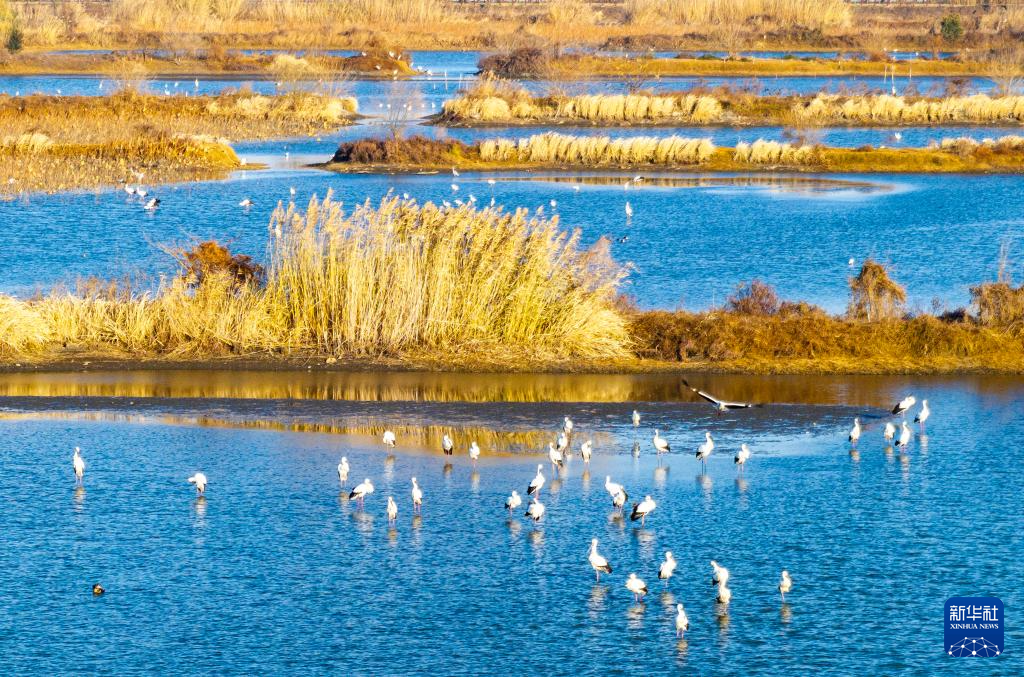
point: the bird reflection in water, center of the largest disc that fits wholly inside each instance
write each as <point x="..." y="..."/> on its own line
<point x="786" y="613"/>
<point x="888" y="452"/>
<point x="854" y="455"/>
<point x="514" y="527"/>
<point x="742" y="485"/>
<point x="447" y="470"/>
<point x="417" y="521"/>
<point x="392" y="536"/>
<point x="617" y="519"/>
<point x="536" y="538"/>
<point x="555" y="485"/>
<point x="79" y="497"/>
<point x="682" y="647"/>
<point x="636" y="449"/>
<point x="705" y="483"/>
<point x="635" y="615"/>
<point x="585" y="478"/>
<point x="389" y="466"/>
<point x="474" y="480"/>
<point x="596" y="601"/>
<point x="922" y="443"/>
<point x="722" y="616"/>
<point x="645" y="541"/>
<point x="668" y="600"/>
<point x="661" y="476"/>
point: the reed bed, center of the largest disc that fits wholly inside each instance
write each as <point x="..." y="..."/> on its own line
<point x="886" y="109"/>
<point x="552" y="148"/>
<point x="763" y="152"/>
<point x="604" y="108"/>
<point x="814" y="14"/>
<point x="129" y="114"/>
<point x="391" y="279"/>
<point x="33" y="162"/>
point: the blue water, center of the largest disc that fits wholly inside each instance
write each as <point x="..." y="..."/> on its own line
<point x="277" y="572"/>
<point x="690" y="246"/>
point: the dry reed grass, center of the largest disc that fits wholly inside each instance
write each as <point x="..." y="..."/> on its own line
<point x="763" y="152"/>
<point x="603" y="108"/>
<point x="395" y="278"/>
<point x="885" y="109"/>
<point x="552" y="148"/>
<point x="698" y="14"/>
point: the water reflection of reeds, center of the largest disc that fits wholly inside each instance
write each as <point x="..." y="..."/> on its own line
<point x="420" y="438"/>
<point x="801" y="184"/>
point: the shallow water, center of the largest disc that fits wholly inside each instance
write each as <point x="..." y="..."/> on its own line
<point x="276" y="572"/>
<point x="689" y="244"/>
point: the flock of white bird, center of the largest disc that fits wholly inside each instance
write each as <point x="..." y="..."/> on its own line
<point x="558" y="453"/>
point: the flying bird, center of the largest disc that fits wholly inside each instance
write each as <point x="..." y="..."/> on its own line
<point x="903" y="405"/>
<point x="199" y="480"/>
<point x="720" y="405"/>
<point x="598" y="561"/>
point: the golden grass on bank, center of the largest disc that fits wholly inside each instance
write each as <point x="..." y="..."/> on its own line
<point x="708" y="13"/>
<point x="598" y="150"/>
<point x="685" y="108"/>
<point x="763" y="152"/>
<point x="899" y="110"/>
<point x="393" y="278"/>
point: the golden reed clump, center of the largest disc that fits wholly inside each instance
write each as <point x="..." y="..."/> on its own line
<point x="598" y="150"/>
<point x="387" y="279"/>
<point x="886" y="109"/>
<point x="606" y="108"/>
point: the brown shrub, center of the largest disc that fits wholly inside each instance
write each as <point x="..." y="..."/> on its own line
<point x="874" y="295"/>
<point x="209" y="259"/>
<point x="528" y="62"/>
<point x="413" y="150"/>
<point x="999" y="304"/>
<point x="754" y="298"/>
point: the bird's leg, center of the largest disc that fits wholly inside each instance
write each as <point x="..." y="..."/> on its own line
<point x="783" y="597"/>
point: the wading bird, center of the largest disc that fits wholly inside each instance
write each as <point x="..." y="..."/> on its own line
<point x="704" y="450"/>
<point x="636" y="418"/>
<point x="537" y="483"/>
<point x="343" y="471"/>
<point x="392" y="510"/>
<point x="615" y="490"/>
<point x="597" y="561"/>
<point x="668" y="567"/>
<point x="152" y="204"/>
<point x="447" y="446"/>
<point x="513" y="501"/>
<point x="855" y="432"/>
<point x="923" y="415"/>
<point x="903" y="405"/>
<point x="389" y="438"/>
<point x="742" y="456"/>
<point x="536" y="510"/>
<point x="682" y="622"/>
<point x="199" y="480"/>
<point x="417" y="497"/>
<point x="719" y="574"/>
<point x="555" y="455"/>
<point x="642" y="509"/>
<point x="563" y="442"/>
<point x="905" y="435"/>
<point x="724" y="594"/>
<point x="720" y="405"/>
<point x="474" y="452"/>
<point x="78" y="463"/>
<point x="586" y="449"/>
<point x="785" y="584"/>
<point x="362" y="490"/>
<point x="660" y="443"/>
<point x="637" y="587"/>
<point x="246" y="203"/>
<point x="567" y="426"/>
<point x="889" y="432"/>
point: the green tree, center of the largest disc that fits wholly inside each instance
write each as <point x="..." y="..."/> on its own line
<point x="14" y="39"/>
<point x="952" y="28"/>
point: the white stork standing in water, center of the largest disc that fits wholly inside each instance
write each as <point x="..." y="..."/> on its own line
<point x="563" y="442"/>
<point x="889" y="432"/>
<point x="616" y="491"/>
<point x="447" y="446"/>
<point x="682" y="622"/>
<point x="536" y="510"/>
<point x="392" y="510"/>
<point x="555" y="456"/>
<point x="742" y="456"/>
<point x="636" y="586"/>
<point x="78" y="463"/>
<point x="668" y="567"/>
<point x="785" y="584"/>
<point x="704" y="450"/>
<point x="362" y="490"/>
<point x="923" y="415"/>
<point x="246" y="203"/>
<point x="903" y="405"/>
<point x="567" y="426"/>
<point x="660" y="443"/>
<point x="720" y="405"/>
<point x="343" y="471"/>
<point x="724" y="594"/>
<point x="642" y="509"/>
<point x="537" y="483"/>
<point x="636" y="418"/>
<point x="855" y="432"/>
<point x="586" y="450"/>
<point x="905" y="435"/>
<point x="719" y="574"/>
<point x="389" y="438"/>
<point x="417" y="497"/>
<point x="199" y="480"/>
<point x="598" y="561"/>
<point x="152" y="204"/>
<point x="513" y="501"/>
<point x="474" y="452"/>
